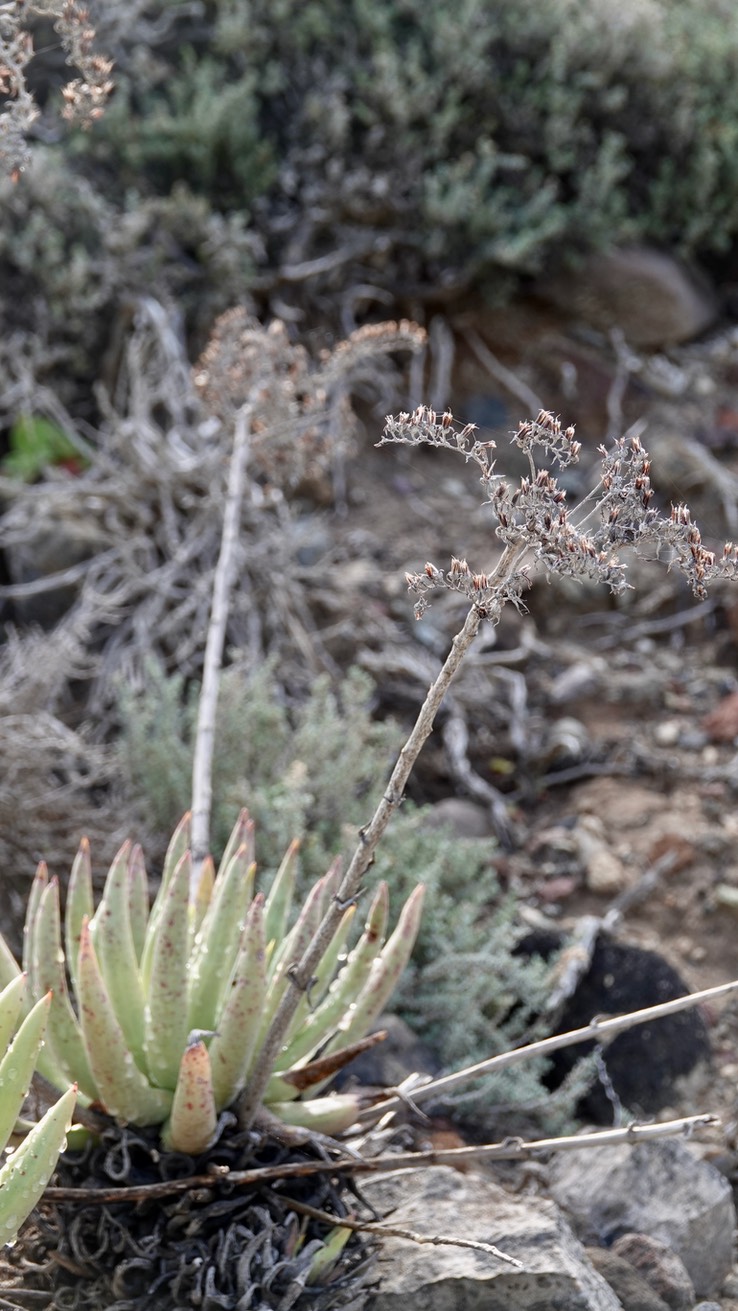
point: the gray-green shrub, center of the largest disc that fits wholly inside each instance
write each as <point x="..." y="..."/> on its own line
<point x="419" y="148"/>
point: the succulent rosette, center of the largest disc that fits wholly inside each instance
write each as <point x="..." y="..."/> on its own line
<point x="159" y="1013"/>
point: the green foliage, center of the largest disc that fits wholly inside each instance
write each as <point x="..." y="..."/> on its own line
<point x="174" y="1002"/>
<point x="35" y="443"/>
<point x="310" y="773"/>
<point x="24" y="1176"/>
<point x="437" y="146"/>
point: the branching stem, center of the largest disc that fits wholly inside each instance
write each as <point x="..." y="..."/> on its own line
<point x="369" y="838"/>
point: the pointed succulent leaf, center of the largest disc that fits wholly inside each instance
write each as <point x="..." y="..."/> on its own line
<point x="179" y="845"/>
<point x="124" y="1089"/>
<point x="345" y="988"/>
<point x="219" y="938"/>
<point x="286" y="1085"/>
<point x="324" y="1260"/>
<point x="64" y="1040"/>
<point x="12" y="998"/>
<point x="324" y="975"/>
<point x="9" y="967"/>
<point x="193" y="1121"/>
<point x="384" y="974"/>
<point x="202" y="898"/>
<point x="79" y="903"/>
<point x="279" y="901"/>
<point x="18" y="1064"/>
<point x="138" y="900"/>
<point x="293" y="943"/>
<point x="112" y="935"/>
<point x="40" y="881"/>
<point x="26" y="1173"/>
<point x="165" y="1020"/>
<point x="234" y="1045"/>
<point x="290" y="951"/>
<point x="332" y="1114"/>
<point x="242" y="832"/>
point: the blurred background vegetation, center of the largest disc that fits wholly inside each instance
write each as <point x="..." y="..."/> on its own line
<point x="335" y="160"/>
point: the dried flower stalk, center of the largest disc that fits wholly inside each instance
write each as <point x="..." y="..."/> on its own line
<point x="536" y="525"/>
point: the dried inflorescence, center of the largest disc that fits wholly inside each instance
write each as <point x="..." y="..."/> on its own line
<point x="84" y="97"/>
<point x="300" y="412"/>
<point x="536" y="523"/>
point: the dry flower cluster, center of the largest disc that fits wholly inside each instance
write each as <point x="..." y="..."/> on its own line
<point x="300" y="415"/>
<point x="535" y="522"/>
<point x="84" y="97"/>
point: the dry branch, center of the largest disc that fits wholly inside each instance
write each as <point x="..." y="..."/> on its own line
<point x="202" y="765"/>
<point x="512" y="1149"/>
<point x="597" y="1030"/>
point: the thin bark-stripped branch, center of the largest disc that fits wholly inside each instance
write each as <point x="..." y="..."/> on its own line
<point x="202" y="765"/>
<point x="381" y="1230"/>
<point x="512" y="1149"/>
<point x="597" y="1029"/>
<point x="369" y="838"/>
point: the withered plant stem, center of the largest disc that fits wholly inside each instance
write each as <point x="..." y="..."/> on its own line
<point x="598" y="1029"/>
<point x="202" y="764"/>
<point x="369" y="838"/>
<point x="512" y="1149"/>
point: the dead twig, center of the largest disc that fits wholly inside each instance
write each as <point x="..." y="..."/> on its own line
<point x="597" y="1030"/>
<point x="509" y="380"/>
<point x="456" y="743"/>
<point x="511" y="1149"/>
<point x="202" y="765"/>
<point x="382" y="1230"/>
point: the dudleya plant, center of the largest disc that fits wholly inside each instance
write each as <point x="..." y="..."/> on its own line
<point x="175" y="1001"/>
<point x="26" y="1172"/>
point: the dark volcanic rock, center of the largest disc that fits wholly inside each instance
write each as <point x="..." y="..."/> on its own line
<point x="644" y="1063"/>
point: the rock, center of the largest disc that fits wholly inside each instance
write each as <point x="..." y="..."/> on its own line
<point x="631" y="1289"/>
<point x="556" y="1275"/>
<point x="652" y="298"/>
<point x="644" y="1063"/>
<point x="656" y="1188"/>
<point x="603" y="872"/>
<point x="465" y="819"/>
<point x="660" y="1267"/>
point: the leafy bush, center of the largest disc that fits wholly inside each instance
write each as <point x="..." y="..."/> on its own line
<point x="308" y="773"/>
<point x="308" y="146"/>
<point x="34" y="445"/>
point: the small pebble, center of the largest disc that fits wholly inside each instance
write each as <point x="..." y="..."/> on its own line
<point x="708" y="1306"/>
<point x="693" y="740"/>
<point x="667" y="732"/>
